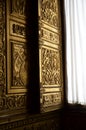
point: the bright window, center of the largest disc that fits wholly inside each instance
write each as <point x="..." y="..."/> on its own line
<point x="75" y="15"/>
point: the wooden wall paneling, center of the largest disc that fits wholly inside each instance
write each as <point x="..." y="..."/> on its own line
<point x="13" y="64"/>
<point x="44" y="38"/>
<point x="16" y="44"/>
<point x="50" y="55"/>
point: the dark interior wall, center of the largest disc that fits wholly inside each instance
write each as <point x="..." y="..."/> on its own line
<point x="74" y="118"/>
<point x="47" y="121"/>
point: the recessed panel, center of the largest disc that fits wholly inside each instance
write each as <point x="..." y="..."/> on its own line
<point x="16" y="47"/>
<point x="49" y="12"/>
<point x="50" y="72"/>
<point x="51" y="99"/>
<point x="19" y="73"/>
<point x="50" y="55"/>
<point x="17" y="29"/>
<point x="49" y="35"/>
<point x="18" y="8"/>
<point x="17" y="80"/>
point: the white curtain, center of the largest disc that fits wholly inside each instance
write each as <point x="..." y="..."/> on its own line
<point x="75" y="17"/>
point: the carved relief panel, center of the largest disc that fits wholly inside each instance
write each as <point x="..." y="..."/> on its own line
<point x="19" y="65"/>
<point x="50" y="67"/>
<point x="49" y="12"/>
<point x="16" y="46"/>
<point x="50" y="55"/>
<point x="13" y="55"/>
<point x="18" y="7"/>
<point x="13" y="65"/>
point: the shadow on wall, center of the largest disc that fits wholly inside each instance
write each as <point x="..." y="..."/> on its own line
<point x="33" y="99"/>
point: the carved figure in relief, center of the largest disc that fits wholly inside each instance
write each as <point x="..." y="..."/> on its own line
<point x="19" y="65"/>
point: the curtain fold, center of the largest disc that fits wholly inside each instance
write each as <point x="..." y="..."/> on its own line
<point x="75" y="16"/>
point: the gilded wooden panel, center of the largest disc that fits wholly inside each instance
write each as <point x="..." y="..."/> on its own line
<point x="50" y="55"/>
<point x="17" y="29"/>
<point x="13" y="65"/>
<point x="8" y="100"/>
<point x="50" y="67"/>
<point x="49" y="12"/>
<point x="18" y="7"/>
<point x="12" y="102"/>
<point x="16" y="47"/>
<point x="19" y="73"/>
<point x="51" y="99"/>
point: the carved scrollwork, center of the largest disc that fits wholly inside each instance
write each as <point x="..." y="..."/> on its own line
<point x="51" y="99"/>
<point x="50" y="55"/>
<point x="49" y="12"/>
<point x="19" y="65"/>
<point x="12" y="102"/>
<point x="7" y="101"/>
<point x="50" y="67"/>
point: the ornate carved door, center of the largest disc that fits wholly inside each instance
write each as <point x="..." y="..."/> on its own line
<point x="50" y="55"/>
<point x="14" y="56"/>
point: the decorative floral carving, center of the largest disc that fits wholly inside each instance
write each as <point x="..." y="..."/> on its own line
<point x="19" y="65"/>
<point x="50" y="67"/>
<point x="49" y="12"/>
<point x="50" y="55"/>
<point x="18" y="7"/>
<point x="7" y="102"/>
<point x="12" y="102"/>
